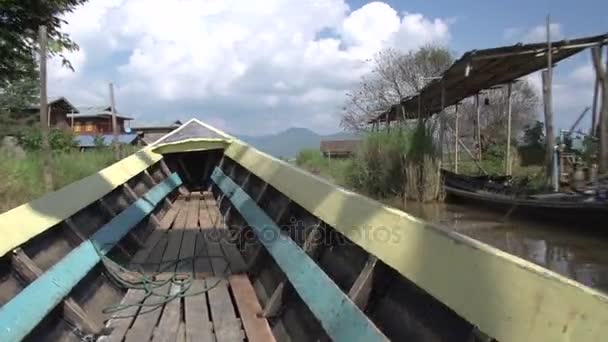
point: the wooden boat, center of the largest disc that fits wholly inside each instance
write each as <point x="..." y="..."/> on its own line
<point x="201" y="237"/>
<point x="496" y="192"/>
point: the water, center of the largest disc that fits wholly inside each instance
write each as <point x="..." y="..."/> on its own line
<point x="571" y="251"/>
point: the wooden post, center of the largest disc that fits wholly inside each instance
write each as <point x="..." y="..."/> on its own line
<point x="114" y="123"/>
<point x="596" y="89"/>
<point x="509" y="107"/>
<point x="600" y="72"/>
<point x="456" y="141"/>
<point x="47" y="174"/>
<point x="442" y="122"/>
<point x="547" y="76"/>
<point x="478" y="126"/>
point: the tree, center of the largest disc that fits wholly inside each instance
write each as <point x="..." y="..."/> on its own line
<point x="16" y="97"/>
<point x="394" y="75"/>
<point x="19" y="22"/>
<point x="493" y="114"/>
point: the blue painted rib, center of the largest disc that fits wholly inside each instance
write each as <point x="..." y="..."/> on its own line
<point x="339" y="316"/>
<point x="19" y="316"/>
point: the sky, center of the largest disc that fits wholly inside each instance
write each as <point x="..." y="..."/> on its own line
<point x="257" y="68"/>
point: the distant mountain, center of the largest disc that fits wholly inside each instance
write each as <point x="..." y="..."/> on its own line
<point x="288" y="143"/>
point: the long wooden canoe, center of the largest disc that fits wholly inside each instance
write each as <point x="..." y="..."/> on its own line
<point x="492" y="193"/>
<point x="201" y="237"/>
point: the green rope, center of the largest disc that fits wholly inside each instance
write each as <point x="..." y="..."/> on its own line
<point x="150" y="285"/>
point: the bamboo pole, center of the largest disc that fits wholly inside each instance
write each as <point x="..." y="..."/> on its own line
<point x="548" y="106"/>
<point x="44" y="115"/>
<point x="596" y="89"/>
<point x="478" y="126"/>
<point x="442" y="122"/>
<point x="601" y="73"/>
<point x="509" y="108"/>
<point x="116" y="143"/>
<point x="456" y="142"/>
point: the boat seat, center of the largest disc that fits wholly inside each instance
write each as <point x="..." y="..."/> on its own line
<point x="220" y="303"/>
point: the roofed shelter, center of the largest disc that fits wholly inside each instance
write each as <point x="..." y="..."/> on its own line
<point x="477" y="70"/>
<point x="339" y="148"/>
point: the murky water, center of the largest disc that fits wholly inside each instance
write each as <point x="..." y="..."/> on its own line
<point x="578" y="254"/>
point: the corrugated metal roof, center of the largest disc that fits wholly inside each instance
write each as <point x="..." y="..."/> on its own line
<point x="89" y="140"/>
<point x="477" y="70"/>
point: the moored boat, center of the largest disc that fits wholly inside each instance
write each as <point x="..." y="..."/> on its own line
<point x="497" y="193"/>
<point x="201" y="237"/>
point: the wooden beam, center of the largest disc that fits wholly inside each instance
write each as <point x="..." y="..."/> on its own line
<point x="72" y="311"/>
<point x="360" y="290"/>
<point x="129" y="192"/>
<point x="112" y="213"/>
<point x="478" y="125"/>
<point x="456" y="134"/>
<point x="153" y="182"/>
<point x="79" y="237"/>
<point x="547" y="76"/>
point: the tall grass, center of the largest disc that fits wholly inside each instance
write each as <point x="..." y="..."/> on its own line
<point x="22" y="178"/>
<point x="397" y="163"/>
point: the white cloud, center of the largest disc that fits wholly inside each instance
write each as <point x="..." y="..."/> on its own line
<point x="247" y="67"/>
<point x="535" y="34"/>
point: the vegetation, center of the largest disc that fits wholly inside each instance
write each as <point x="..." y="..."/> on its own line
<point x="23" y="180"/>
<point x="398" y="163"/>
<point x="19" y="22"/>
<point x="395" y="74"/>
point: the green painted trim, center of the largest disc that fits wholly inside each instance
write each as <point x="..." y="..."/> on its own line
<point x="20" y="224"/>
<point x="505" y="296"/>
<point x="191" y="145"/>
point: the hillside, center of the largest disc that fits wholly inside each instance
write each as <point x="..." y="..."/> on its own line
<point x="288" y="143"/>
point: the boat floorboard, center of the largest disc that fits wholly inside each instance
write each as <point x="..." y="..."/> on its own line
<point x="220" y="303"/>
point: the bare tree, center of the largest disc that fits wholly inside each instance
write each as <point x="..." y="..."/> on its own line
<point x="394" y="75"/>
<point x="493" y="119"/>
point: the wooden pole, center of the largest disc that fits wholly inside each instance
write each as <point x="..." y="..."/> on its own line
<point x="548" y="106"/>
<point x="508" y="159"/>
<point x="596" y="89"/>
<point x="442" y="122"/>
<point x="456" y="143"/>
<point x="601" y="74"/>
<point x="478" y="125"/>
<point x="44" y="127"/>
<point x="114" y="124"/>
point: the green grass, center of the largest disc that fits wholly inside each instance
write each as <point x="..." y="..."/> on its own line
<point x="22" y="178"/>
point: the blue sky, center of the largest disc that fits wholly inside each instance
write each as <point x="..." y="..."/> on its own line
<point x="252" y="69"/>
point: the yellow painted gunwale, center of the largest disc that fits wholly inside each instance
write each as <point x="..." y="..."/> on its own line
<point x="24" y="222"/>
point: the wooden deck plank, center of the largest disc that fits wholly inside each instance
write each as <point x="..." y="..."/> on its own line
<point x="193" y="211"/>
<point x="121" y="320"/>
<point x="202" y="263"/>
<point x="182" y="217"/>
<point x="187" y="252"/>
<point x="198" y="324"/>
<point x="219" y="264"/>
<point x="170" y="319"/>
<point x="217" y="220"/>
<point x="226" y="325"/>
<point x="234" y="257"/>
<point x="204" y="218"/>
<point x="169" y="217"/>
<point x="256" y="327"/>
